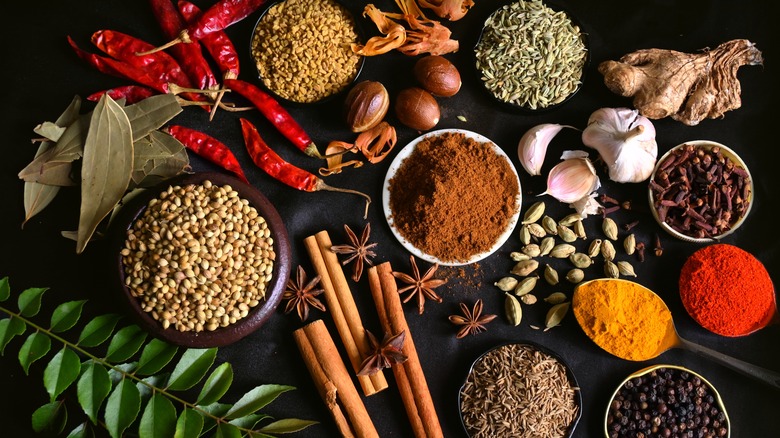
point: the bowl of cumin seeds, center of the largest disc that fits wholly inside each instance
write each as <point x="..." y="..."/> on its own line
<point x="522" y="390"/>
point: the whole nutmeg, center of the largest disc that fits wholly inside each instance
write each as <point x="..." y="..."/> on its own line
<point x="437" y="75"/>
<point x="366" y="105"/>
<point x="417" y="109"/>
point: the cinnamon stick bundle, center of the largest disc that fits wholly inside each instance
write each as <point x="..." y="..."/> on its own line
<point x="409" y="375"/>
<point x="333" y="382"/>
<point x="341" y="306"/>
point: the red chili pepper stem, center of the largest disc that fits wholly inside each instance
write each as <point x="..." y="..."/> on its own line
<point x="320" y="185"/>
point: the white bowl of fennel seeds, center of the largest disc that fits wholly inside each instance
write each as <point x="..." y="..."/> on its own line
<point x="520" y="390"/>
<point x="530" y="56"/>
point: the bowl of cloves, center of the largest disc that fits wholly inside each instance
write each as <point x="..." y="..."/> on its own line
<point x="700" y="191"/>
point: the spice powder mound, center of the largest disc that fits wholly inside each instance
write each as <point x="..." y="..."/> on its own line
<point x="518" y="391"/>
<point x="453" y="196"/>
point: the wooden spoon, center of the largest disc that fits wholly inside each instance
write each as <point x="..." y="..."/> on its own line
<point x="671" y="338"/>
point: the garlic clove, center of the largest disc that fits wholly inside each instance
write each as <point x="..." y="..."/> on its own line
<point x="625" y="141"/>
<point x="587" y="205"/>
<point x="573" y="178"/>
<point x="532" y="147"/>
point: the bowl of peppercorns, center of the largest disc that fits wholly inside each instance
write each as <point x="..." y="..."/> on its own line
<point x="700" y="191"/>
<point x="666" y="400"/>
<point x="201" y="260"/>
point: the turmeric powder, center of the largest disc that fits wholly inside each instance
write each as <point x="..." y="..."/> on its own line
<point x="622" y="317"/>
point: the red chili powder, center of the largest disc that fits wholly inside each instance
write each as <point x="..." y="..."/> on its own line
<point x="727" y="290"/>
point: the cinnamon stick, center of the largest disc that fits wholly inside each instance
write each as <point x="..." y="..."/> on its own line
<point x="320" y="355"/>
<point x="342" y="307"/>
<point x="412" y="386"/>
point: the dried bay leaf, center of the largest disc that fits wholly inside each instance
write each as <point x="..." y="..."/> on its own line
<point x="151" y="113"/>
<point x="50" y="130"/>
<point x="36" y="195"/>
<point x="107" y="166"/>
<point x="158" y="156"/>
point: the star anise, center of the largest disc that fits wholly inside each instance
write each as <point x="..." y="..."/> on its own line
<point x="301" y="295"/>
<point x="473" y="321"/>
<point x="358" y="250"/>
<point x="421" y="287"/>
<point x="383" y="355"/>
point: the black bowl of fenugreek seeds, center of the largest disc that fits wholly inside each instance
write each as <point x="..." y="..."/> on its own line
<point x="302" y="50"/>
<point x="531" y="56"/>
<point x="202" y="259"/>
<point x="520" y="389"/>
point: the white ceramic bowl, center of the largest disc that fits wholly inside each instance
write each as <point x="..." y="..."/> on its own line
<point x="396" y="163"/>
<point x="727" y="152"/>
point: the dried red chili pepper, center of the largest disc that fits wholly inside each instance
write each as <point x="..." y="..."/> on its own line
<point x="217" y="43"/>
<point x="207" y="147"/>
<point x="189" y="56"/>
<point x="219" y="16"/>
<point x="130" y="93"/>
<point x="276" y="114"/>
<point x="268" y="160"/>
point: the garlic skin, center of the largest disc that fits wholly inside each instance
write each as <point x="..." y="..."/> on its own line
<point x="626" y="142"/>
<point x="532" y="147"/>
<point x="572" y="179"/>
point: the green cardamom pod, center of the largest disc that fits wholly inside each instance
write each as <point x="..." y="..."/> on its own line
<point x="549" y="225"/>
<point x="611" y="270"/>
<point x="550" y="275"/>
<point x="525" y="267"/>
<point x="570" y="219"/>
<point x="536" y="230"/>
<point x="546" y="245"/>
<point x="562" y="250"/>
<point x="575" y="275"/>
<point x="579" y="230"/>
<point x="595" y="248"/>
<point x="506" y="283"/>
<point x="629" y="244"/>
<point x="533" y="213"/>
<point x="566" y="234"/>
<point x="555" y="315"/>
<point x="610" y="228"/>
<point x="525" y="235"/>
<point x="528" y="299"/>
<point x="580" y="260"/>
<point x="514" y="312"/>
<point x="525" y="286"/>
<point x="555" y="298"/>
<point x="517" y="256"/>
<point x="608" y="250"/>
<point x="531" y="250"/>
<point x="626" y="269"/>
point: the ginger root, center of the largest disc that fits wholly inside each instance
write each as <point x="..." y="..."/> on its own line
<point x="688" y="87"/>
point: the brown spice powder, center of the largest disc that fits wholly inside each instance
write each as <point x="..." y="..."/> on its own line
<point x="453" y="196"/>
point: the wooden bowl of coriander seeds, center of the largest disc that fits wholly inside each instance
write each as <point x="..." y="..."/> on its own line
<point x="202" y="259"/>
<point x="520" y="389"/>
<point x="302" y="50"/>
<point x="531" y="56"/>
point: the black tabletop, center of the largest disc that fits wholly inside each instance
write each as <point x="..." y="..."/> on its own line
<point x="41" y="74"/>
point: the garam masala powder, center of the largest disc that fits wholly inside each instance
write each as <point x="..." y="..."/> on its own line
<point x="453" y="196"/>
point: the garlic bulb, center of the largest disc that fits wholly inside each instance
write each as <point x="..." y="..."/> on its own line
<point x="572" y="179"/>
<point x="626" y="142"/>
<point x="533" y="146"/>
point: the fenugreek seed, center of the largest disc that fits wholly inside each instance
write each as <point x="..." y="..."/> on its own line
<point x="580" y="260"/>
<point x="528" y="299"/>
<point x="579" y="230"/>
<point x="562" y="250"/>
<point x="513" y="310"/>
<point x="594" y="248"/>
<point x="575" y="275"/>
<point x="549" y="225"/>
<point x="608" y="250"/>
<point x="555" y="298"/>
<point x="525" y="235"/>
<point x="625" y="268"/>
<point x="570" y="219"/>
<point x="525" y="286"/>
<point x="611" y="270"/>
<point x="566" y="234"/>
<point x="609" y="227"/>
<point x="629" y="244"/>
<point x="534" y="212"/>
<point x="536" y="230"/>
<point x="546" y="245"/>
<point x="506" y="283"/>
<point x="525" y="267"/>
<point x="550" y="275"/>
<point x="531" y="250"/>
<point x="518" y="256"/>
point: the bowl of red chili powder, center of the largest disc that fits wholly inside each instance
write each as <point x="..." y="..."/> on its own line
<point x="727" y="290"/>
<point x="451" y="197"/>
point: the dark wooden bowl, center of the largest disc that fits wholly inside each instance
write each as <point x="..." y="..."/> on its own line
<point x="257" y="316"/>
